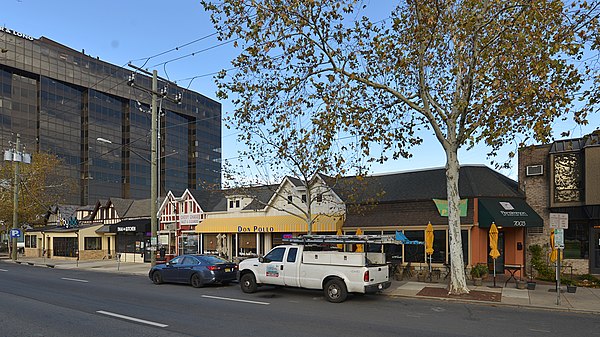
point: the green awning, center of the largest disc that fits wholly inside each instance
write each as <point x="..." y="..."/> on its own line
<point x="507" y="212"/>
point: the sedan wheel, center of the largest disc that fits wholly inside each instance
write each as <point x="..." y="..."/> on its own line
<point x="157" y="278"/>
<point x="196" y="281"/>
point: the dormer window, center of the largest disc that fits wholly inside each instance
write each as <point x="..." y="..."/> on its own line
<point x="319" y="197"/>
<point x="304" y="198"/>
<point x="237" y="204"/>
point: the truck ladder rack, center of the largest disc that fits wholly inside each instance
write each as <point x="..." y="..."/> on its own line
<point x="349" y="239"/>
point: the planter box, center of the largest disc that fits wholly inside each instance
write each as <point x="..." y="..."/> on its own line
<point x="531" y="285"/>
<point x="571" y="289"/>
<point x="477" y="281"/>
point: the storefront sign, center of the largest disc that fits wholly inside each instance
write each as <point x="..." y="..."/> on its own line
<point x="559" y="220"/>
<point x="15" y="33"/>
<point x="190" y="219"/>
<point x="126" y="229"/>
<point x="442" y="206"/>
<point x="242" y="229"/>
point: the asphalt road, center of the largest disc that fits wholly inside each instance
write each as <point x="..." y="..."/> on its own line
<point x="36" y="301"/>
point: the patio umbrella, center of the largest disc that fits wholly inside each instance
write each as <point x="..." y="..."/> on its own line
<point x="429" y="244"/>
<point x="339" y="232"/>
<point x="359" y="248"/>
<point x="494" y="253"/>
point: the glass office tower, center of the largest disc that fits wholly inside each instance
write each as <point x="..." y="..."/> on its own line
<point x="61" y="101"/>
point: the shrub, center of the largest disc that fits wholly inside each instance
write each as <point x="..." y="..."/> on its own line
<point x="544" y="272"/>
<point x="479" y="270"/>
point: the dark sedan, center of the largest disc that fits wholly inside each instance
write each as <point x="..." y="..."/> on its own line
<point x="196" y="270"/>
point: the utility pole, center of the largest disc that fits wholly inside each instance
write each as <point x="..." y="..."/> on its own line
<point x="154" y="151"/>
<point x="16" y="200"/>
<point x="154" y="171"/>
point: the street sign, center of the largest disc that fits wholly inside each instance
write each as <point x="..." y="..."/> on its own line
<point x="559" y="238"/>
<point x="559" y="220"/>
<point x="15" y="233"/>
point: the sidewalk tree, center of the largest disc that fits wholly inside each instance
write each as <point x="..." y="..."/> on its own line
<point x="291" y="160"/>
<point x="40" y="188"/>
<point x="467" y="71"/>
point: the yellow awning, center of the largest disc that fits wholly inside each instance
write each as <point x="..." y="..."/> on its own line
<point x="267" y="224"/>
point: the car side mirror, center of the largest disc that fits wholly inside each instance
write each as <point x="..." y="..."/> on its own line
<point x="168" y="264"/>
<point x="261" y="259"/>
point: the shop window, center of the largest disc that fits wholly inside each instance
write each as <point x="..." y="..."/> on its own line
<point x="247" y="244"/>
<point x="414" y="253"/>
<point x="65" y="247"/>
<point x="30" y="241"/>
<point x="93" y="243"/>
<point x="393" y="253"/>
<point x="276" y="240"/>
<point x="576" y="241"/>
<point x="188" y="244"/>
<point x="373" y="248"/>
<point x="439" y="247"/>
<point x="128" y="243"/>
<point x="568" y="178"/>
<point x="210" y="243"/>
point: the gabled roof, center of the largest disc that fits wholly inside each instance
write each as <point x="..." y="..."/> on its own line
<point x="137" y="209"/>
<point x="121" y="206"/>
<point x="210" y="200"/>
<point x="65" y="211"/>
<point x="427" y="184"/>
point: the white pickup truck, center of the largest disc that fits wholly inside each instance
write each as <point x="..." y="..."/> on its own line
<point x="336" y="273"/>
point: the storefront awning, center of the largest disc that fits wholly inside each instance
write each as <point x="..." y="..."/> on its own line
<point x="279" y="223"/>
<point x="507" y="212"/>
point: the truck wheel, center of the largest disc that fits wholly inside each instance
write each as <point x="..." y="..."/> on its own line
<point x="248" y="283"/>
<point x="335" y="291"/>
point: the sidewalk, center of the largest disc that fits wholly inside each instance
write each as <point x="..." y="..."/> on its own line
<point x="584" y="300"/>
<point x="111" y="266"/>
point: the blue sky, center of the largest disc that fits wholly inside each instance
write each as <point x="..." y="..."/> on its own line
<point x="133" y="30"/>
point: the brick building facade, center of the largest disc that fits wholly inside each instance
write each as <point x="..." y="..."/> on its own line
<point x="564" y="177"/>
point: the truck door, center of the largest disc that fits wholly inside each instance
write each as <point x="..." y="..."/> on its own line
<point x="290" y="266"/>
<point x="270" y="270"/>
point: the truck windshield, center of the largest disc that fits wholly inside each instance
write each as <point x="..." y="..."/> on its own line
<point x="276" y="255"/>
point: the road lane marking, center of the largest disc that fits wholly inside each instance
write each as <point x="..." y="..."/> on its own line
<point x="74" y="279"/>
<point x="139" y="320"/>
<point x="538" y="330"/>
<point x="235" y="300"/>
<point x="3" y="270"/>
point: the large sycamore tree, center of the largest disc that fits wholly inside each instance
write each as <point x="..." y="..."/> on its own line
<point x="467" y="71"/>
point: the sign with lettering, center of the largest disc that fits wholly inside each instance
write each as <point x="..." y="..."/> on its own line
<point x="15" y="233"/>
<point x="126" y="229"/>
<point x="559" y="220"/>
<point x="559" y="238"/>
<point x="15" y="33"/>
<point x="190" y="219"/>
<point x="254" y="229"/>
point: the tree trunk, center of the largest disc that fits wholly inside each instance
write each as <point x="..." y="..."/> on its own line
<point x="458" y="282"/>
